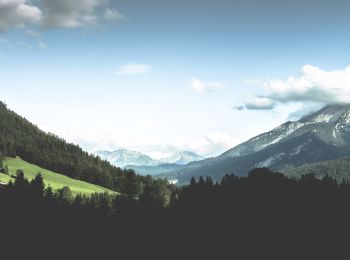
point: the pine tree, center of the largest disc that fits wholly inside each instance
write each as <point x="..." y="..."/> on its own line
<point x="37" y="186"/>
<point x="49" y="195"/>
<point x="193" y="182"/>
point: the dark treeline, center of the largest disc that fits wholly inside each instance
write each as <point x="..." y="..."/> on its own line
<point x="19" y="137"/>
<point x="264" y="212"/>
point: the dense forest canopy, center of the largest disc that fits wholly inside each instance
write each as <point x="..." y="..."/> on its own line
<point x="265" y="210"/>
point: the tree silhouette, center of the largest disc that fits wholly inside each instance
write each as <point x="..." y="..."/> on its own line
<point x="37" y="186"/>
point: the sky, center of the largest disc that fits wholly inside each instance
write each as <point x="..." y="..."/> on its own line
<point x="160" y="76"/>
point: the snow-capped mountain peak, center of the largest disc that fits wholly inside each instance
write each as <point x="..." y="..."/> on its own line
<point x="125" y="157"/>
<point x="328" y="124"/>
<point x="182" y="158"/>
<point x="322" y="135"/>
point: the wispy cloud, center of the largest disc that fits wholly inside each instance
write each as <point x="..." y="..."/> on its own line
<point x="202" y="87"/>
<point x="259" y="103"/>
<point x="133" y="69"/>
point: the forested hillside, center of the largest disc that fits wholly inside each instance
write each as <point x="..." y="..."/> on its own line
<point x="19" y="137"/>
<point x="265" y="210"/>
<point x="338" y="169"/>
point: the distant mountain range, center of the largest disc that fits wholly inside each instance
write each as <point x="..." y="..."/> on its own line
<point x="131" y="159"/>
<point x="323" y="135"/>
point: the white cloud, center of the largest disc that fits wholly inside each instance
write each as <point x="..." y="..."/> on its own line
<point x="202" y="87"/>
<point x="14" y="13"/>
<point x="133" y="69"/>
<point x="314" y="85"/>
<point x="259" y="103"/>
<point x="71" y="14"/>
<point x="55" y="13"/>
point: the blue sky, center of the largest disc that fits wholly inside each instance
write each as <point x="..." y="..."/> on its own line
<point x="163" y="76"/>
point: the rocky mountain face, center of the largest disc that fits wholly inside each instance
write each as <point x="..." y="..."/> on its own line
<point x="323" y="135"/>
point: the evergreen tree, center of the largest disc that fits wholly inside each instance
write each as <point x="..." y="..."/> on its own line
<point x="37" y="186"/>
<point x="49" y="195"/>
<point x="21" y="183"/>
<point x="193" y="182"/>
<point x="65" y="196"/>
<point x="132" y="185"/>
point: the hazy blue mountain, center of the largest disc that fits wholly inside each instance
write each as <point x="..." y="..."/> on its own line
<point x="155" y="170"/>
<point x="323" y="135"/>
<point x="143" y="163"/>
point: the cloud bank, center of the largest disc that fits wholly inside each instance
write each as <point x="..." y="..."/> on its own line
<point x="55" y="13"/>
<point x="313" y="85"/>
<point x="17" y="13"/>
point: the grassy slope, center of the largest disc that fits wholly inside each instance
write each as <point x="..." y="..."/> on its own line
<point x="5" y="178"/>
<point x="55" y="180"/>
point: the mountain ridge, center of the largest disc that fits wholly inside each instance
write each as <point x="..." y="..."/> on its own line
<point x="322" y="135"/>
<point x="131" y="159"/>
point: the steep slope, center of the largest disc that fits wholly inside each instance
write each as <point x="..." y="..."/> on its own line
<point x="337" y="169"/>
<point x="321" y="136"/>
<point x="19" y="137"/>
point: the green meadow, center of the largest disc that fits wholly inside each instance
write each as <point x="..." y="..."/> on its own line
<point x="53" y="179"/>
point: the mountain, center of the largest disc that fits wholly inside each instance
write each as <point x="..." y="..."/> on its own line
<point x="155" y="170"/>
<point x="174" y="162"/>
<point x="139" y="161"/>
<point x="337" y="169"/>
<point x="124" y="157"/>
<point x="323" y="135"/>
<point x="182" y="158"/>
